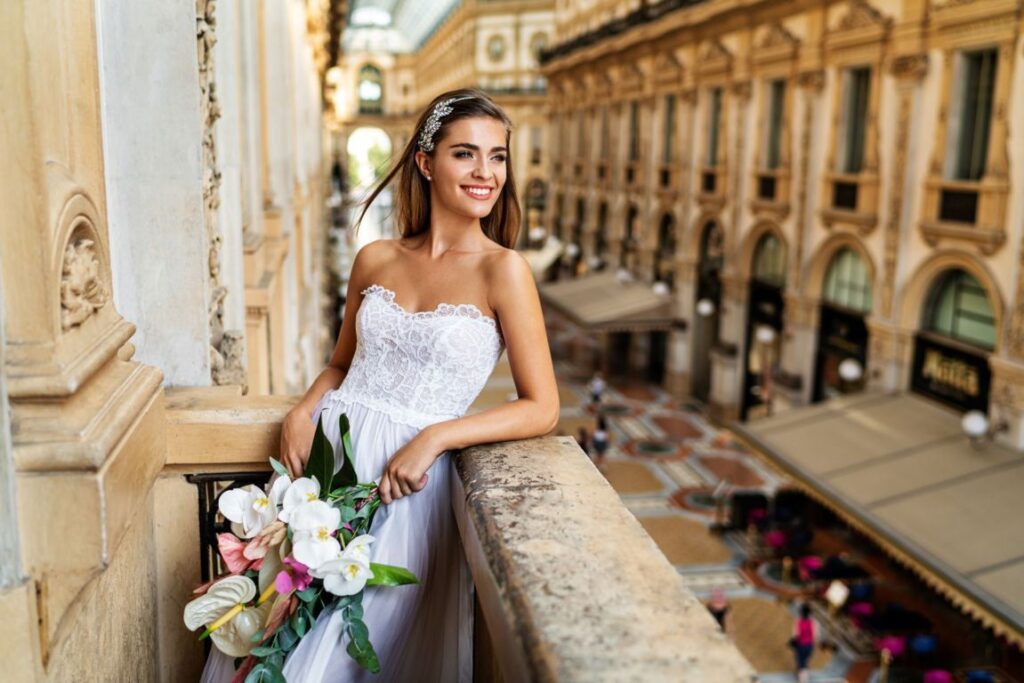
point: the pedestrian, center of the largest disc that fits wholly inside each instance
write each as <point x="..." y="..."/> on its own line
<point x="805" y="634"/>
<point x="596" y="386"/>
<point x="718" y="605"/>
<point x="583" y="439"/>
<point x="600" y="440"/>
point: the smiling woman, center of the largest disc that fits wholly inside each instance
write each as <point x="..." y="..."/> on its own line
<point x="427" y="318"/>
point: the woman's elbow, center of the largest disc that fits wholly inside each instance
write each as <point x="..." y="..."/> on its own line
<point x="552" y="412"/>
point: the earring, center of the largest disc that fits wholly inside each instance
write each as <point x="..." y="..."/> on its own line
<point x="428" y="178"/>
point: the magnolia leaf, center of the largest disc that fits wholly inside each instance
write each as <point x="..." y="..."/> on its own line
<point x="321" y="460"/>
<point x="387" y="575"/>
<point x="279" y="468"/>
<point x="346" y="475"/>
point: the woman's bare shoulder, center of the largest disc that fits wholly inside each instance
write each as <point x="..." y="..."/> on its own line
<point x="508" y="275"/>
<point x="370" y="259"/>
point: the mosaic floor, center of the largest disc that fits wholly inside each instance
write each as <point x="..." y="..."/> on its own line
<point x="665" y="462"/>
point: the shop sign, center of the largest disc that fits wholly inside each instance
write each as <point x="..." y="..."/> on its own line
<point x="951" y="374"/>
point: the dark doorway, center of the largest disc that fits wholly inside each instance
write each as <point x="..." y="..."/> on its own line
<point x="705" y="325"/>
<point x="764" y="310"/>
<point x="842" y="335"/>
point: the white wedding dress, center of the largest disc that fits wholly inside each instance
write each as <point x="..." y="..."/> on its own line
<point x="409" y="370"/>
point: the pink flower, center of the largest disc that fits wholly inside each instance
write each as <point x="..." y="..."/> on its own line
<point x="294" y="577"/>
<point x="235" y="555"/>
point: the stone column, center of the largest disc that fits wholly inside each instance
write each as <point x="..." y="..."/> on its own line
<point x="726" y="357"/>
<point x="87" y="421"/>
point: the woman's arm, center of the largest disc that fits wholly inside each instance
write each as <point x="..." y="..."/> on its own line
<point x="298" y="427"/>
<point x="535" y="412"/>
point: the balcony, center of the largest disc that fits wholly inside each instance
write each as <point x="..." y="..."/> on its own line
<point x="965" y="211"/>
<point x="850" y="201"/>
<point x="574" y="590"/>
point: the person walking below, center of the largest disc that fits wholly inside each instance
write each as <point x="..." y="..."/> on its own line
<point x="718" y="605"/>
<point x="583" y="439"/>
<point x="805" y="634"/>
<point x="596" y="387"/>
<point x="600" y="441"/>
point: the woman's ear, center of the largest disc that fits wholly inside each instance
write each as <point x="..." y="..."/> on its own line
<point x="423" y="162"/>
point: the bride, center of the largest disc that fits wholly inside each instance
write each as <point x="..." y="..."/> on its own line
<point x="427" y="318"/>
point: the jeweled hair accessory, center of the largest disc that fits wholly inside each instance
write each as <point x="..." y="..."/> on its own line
<point x="433" y="124"/>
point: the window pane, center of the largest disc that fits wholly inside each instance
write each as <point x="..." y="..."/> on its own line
<point x="670" y="127"/>
<point x="604" y="132"/>
<point x="856" y="118"/>
<point x="846" y="282"/>
<point x="770" y="261"/>
<point x="959" y="308"/>
<point x="634" y="131"/>
<point x="777" y="94"/>
<point x="714" y="116"/>
<point x="976" y="114"/>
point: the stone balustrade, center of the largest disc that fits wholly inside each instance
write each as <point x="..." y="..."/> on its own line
<point x="569" y="585"/>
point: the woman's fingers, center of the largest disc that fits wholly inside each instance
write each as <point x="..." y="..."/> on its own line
<point x="404" y="486"/>
<point x="384" y="488"/>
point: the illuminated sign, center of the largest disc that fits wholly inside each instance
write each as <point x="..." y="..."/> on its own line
<point x="951" y="374"/>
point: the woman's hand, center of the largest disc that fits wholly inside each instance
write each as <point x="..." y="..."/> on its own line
<point x="406" y="472"/>
<point x="297" y="433"/>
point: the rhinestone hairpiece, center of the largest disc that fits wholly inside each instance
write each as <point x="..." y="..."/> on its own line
<point x="433" y="124"/>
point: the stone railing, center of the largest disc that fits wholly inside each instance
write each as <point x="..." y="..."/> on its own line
<point x="569" y="585"/>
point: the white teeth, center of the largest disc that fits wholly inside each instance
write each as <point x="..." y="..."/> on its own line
<point x="476" y="192"/>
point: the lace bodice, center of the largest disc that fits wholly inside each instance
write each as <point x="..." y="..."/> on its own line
<point x="419" y="368"/>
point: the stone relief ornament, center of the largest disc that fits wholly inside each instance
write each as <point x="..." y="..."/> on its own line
<point x="82" y="290"/>
<point x="861" y="15"/>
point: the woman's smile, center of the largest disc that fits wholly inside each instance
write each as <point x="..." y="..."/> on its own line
<point x="482" y="192"/>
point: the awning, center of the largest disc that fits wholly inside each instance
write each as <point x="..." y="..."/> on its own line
<point x="542" y="259"/>
<point x="601" y="303"/>
<point x="899" y="468"/>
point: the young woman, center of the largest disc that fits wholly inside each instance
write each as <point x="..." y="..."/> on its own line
<point x="805" y="634"/>
<point x="426" y="320"/>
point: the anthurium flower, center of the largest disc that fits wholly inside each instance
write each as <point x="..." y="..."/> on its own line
<point x="301" y="491"/>
<point x="294" y="577"/>
<point x="235" y="637"/>
<point x="343" y="575"/>
<point x="250" y="507"/>
<point x="219" y="599"/>
<point x="313" y="525"/>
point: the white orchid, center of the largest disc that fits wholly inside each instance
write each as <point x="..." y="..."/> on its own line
<point x="359" y="548"/>
<point x="344" y="575"/>
<point x="313" y="525"/>
<point x="231" y="624"/>
<point x="301" y="491"/>
<point x="249" y="507"/>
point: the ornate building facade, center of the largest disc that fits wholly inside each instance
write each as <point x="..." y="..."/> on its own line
<point x="828" y="190"/>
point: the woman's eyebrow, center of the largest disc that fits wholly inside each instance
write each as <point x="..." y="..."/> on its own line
<point x="476" y="148"/>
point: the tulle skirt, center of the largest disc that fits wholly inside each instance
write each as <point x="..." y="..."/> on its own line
<point x="422" y="632"/>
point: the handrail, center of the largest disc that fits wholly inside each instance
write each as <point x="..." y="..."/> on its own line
<point x="570" y="585"/>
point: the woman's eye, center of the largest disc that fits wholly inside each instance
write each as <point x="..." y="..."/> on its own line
<point x="463" y="154"/>
<point x="500" y="158"/>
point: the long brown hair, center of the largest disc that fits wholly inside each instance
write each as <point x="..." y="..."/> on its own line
<point x="412" y="196"/>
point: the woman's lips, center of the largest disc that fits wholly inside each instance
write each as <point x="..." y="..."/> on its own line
<point x="476" y="192"/>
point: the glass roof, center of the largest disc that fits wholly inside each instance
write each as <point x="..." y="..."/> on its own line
<point x="393" y="25"/>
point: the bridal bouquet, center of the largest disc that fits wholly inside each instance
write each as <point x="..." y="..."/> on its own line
<point x="296" y="550"/>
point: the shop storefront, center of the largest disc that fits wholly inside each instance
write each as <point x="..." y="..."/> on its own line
<point x="950" y="362"/>
<point x="707" y="307"/>
<point x="764" y="325"/>
<point x="842" y="331"/>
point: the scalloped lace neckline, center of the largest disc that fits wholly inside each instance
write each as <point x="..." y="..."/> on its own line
<point x="470" y="311"/>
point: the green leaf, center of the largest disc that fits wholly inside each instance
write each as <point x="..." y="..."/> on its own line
<point x="308" y="594"/>
<point x="355" y="612"/>
<point x="321" y="460"/>
<point x="387" y="575"/>
<point x="256" y="637"/>
<point x="263" y="651"/>
<point x="286" y="638"/>
<point x="358" y="631"/>
<point x="265" y="672"/>
<point x="299" y="623"/>
<point x="365" y="658"/>
<point x="276" y="661"/>
<point x="346" y="476"/>
<point x="279" y="468"/>
<point x="347" y="514"/>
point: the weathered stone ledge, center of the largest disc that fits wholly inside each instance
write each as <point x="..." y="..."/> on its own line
<point x="571" y="586"/>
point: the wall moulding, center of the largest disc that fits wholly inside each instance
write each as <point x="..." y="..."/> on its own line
<point x="84" y="330"/>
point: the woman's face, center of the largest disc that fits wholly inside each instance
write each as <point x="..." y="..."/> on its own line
<point x="468" y="167"/>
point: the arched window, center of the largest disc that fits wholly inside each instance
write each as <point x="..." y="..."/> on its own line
<point x="846" y="281"/>
<point x="770" y="260"/>
<point x="371" y="90"/>
<point x="958" y="307"/>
